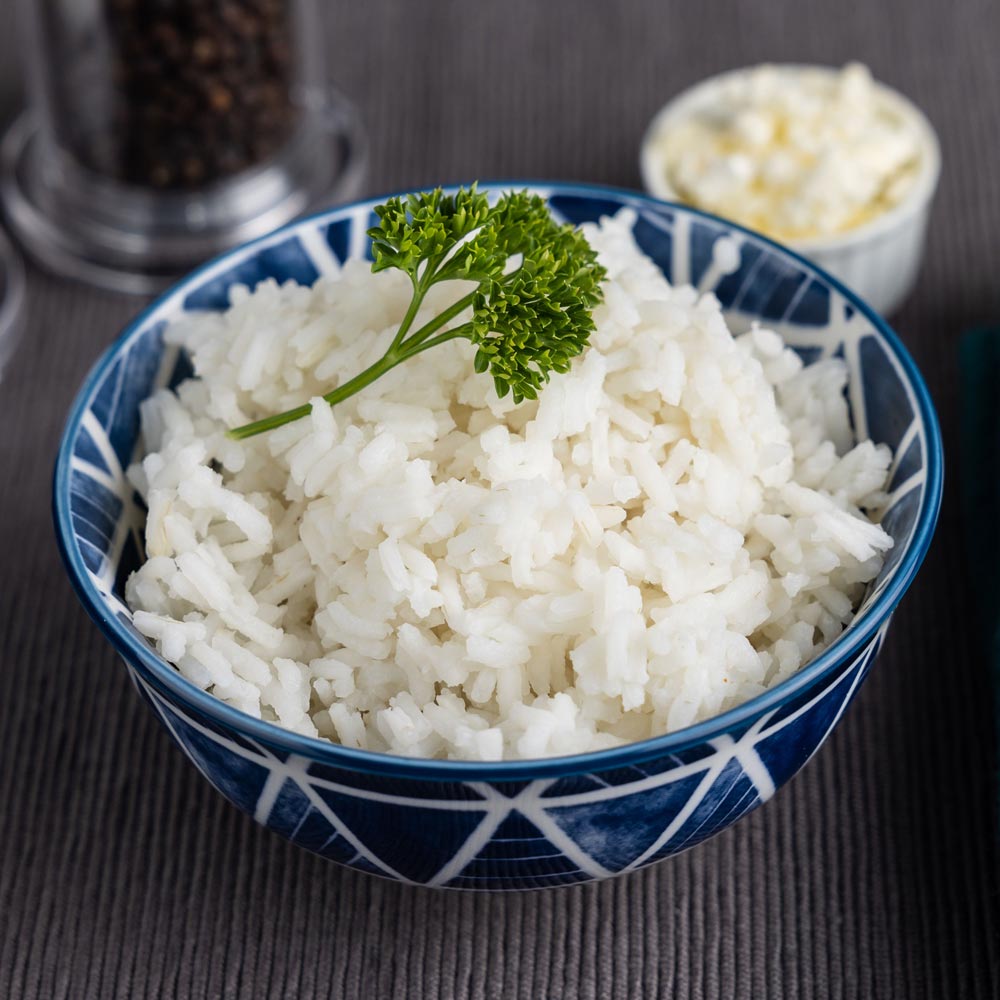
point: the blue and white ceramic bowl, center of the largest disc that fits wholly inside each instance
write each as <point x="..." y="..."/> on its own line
<point x="517" y="824"/>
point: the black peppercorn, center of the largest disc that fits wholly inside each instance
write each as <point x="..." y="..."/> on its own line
<point x="199" y="90"/>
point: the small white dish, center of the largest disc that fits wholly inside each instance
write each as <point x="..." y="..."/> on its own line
<point x="879" y="259"/>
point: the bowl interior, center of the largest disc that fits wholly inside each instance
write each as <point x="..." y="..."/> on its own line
<point x="100" y="518"/>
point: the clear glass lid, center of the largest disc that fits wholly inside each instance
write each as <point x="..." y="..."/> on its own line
<point x="161" y="132"/>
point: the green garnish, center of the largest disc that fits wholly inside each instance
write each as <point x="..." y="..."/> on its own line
<point x="536" y="284"/>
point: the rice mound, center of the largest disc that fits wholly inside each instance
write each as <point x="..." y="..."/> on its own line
<point x="674" y="526"/>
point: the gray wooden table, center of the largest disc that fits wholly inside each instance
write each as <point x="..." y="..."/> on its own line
<point x="874" y="874"/>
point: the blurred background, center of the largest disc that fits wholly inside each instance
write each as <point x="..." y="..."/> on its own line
<point x="872" y="875"/>
<point x="452" y="91"/>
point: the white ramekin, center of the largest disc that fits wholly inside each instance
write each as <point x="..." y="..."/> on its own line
<point x="880" y="259"/>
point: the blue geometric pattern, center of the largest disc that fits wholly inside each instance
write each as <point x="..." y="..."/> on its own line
<point x="442" y="836"/>
<point x="512" y="825"/>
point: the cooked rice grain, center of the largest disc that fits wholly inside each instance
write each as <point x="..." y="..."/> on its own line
<point x="674" y="526"/>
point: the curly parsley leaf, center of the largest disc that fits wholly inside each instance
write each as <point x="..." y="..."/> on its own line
<point x="537" y="283"/>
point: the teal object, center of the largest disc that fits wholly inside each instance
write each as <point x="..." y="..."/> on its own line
<point x="979" y="362"/>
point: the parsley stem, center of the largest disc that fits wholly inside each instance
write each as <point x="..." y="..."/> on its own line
<point x="443" y="317"/>
<point x="534" y="284"/>
<point x="441" y="338"/>
<point x="338" y="395"/>
<point x="420" y="286"/>
<point x="447" y="315"/>
<point x="399" y="351"/>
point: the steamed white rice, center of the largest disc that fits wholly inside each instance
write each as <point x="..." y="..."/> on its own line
<point x="676" y="525"/>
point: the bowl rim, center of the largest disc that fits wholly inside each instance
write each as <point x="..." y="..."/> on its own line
<point x="681" y="104"/>
<point x="164" y="675"/>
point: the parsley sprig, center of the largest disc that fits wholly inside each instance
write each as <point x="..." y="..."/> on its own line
<point x="536" y="284"/>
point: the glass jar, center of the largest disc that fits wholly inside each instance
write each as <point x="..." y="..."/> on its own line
<point x="163" y="131"/>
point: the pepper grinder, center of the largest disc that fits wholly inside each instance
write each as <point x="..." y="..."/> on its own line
<point x="161" y="132"/>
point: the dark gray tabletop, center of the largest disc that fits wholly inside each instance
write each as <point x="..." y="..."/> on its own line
<point x="873" y="874"/>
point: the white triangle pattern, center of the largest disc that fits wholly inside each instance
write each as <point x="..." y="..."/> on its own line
<point x="844" y="328"/>
<point x="531" y="801"/>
